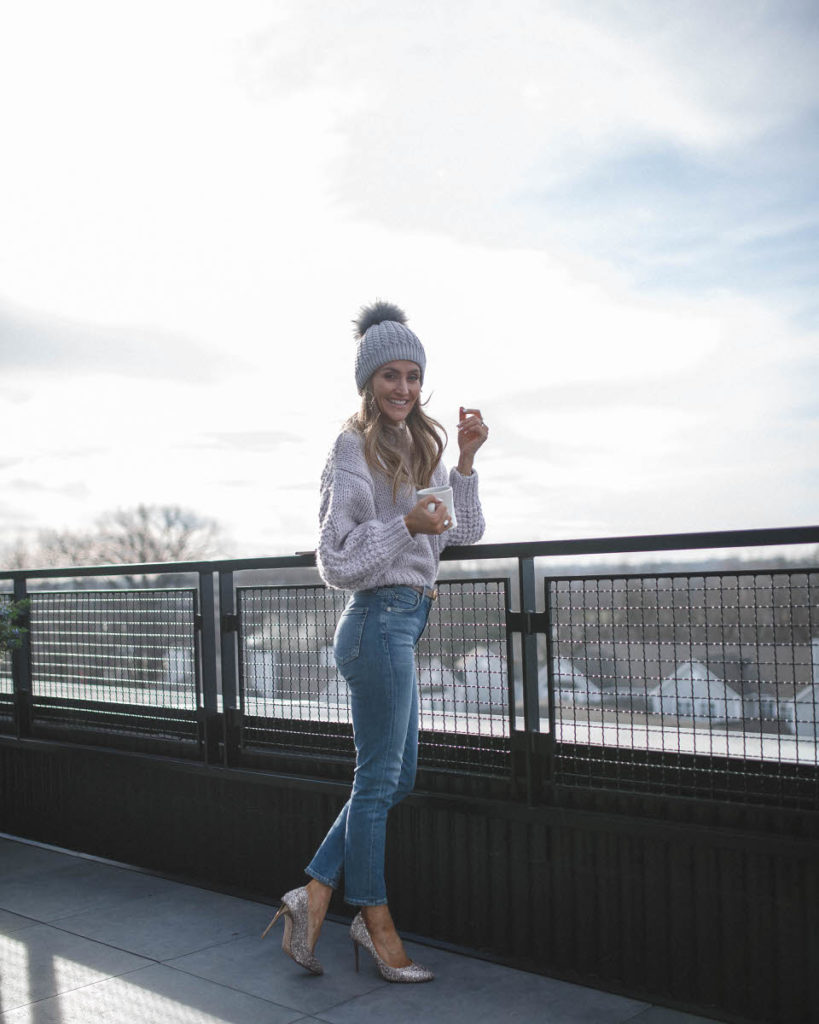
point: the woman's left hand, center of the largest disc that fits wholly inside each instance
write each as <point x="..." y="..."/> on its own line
<point x="472" y="433"/>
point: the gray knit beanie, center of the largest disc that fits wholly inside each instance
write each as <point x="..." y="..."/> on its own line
<point x="383" y="335"/>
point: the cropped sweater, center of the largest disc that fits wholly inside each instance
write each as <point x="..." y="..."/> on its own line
<point x="363" y="539"/>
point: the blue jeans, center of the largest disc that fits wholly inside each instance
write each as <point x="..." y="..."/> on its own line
<point x="374" y="648"/>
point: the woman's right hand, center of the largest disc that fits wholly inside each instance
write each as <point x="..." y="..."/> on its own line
<point x="422" y="520"/>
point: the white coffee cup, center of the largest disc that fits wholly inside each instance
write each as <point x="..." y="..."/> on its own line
<point x="443" y="494"/>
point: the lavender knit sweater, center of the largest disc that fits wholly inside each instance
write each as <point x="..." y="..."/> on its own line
<point x="364" y="541"/>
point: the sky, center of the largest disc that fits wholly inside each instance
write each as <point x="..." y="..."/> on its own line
<point x="601" y="217"/>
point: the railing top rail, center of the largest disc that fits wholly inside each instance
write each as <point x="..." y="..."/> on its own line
<point x="788" y="535"/>
<point x="530" y="549"/>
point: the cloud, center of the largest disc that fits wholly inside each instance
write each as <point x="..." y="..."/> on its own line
<point x="725" y="441"/>
<point x="569" y="199"/>
<point x="748" y="221"/>
<point x="15" y="395"/>
<point x="48" y="344"/>
<point x="497" y="90"/>
<point x="77" y="490"/>
<point x="250" y="440"/>
<point x="664" y="139"/>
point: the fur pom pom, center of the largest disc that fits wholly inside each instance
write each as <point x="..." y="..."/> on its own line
<point x="376" y="314"/>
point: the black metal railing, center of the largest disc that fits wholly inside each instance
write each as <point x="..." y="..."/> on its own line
<point x="710" y="678"/>
<point x="700" y="683"/>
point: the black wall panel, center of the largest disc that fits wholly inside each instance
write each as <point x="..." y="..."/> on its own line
<point x="694" y="912"/>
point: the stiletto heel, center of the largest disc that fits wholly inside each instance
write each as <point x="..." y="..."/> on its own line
<point x="294" y="942"/>
<point x="361" y="937"/>
<point x="279" y="913"/>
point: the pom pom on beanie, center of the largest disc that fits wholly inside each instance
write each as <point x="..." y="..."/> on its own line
<point x="383" y="336"/>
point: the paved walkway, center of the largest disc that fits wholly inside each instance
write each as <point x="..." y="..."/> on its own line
<point x="85" y="941"/>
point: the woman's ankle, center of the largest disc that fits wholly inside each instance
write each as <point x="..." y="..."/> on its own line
<point x="318" y="892"/>
<point x="384" y="934"/>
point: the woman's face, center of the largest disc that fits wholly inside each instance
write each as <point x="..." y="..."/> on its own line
<point x="396" y="388"/>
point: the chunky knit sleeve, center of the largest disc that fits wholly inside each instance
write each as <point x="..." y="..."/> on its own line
<point x="468" y="510"/>
<point x="354" y="544"/>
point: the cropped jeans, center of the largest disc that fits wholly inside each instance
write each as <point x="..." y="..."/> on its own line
<point x="374" y="649"/>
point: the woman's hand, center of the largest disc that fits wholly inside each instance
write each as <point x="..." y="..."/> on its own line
<point x="472" y="433"/>
<point x="429" y="516"/>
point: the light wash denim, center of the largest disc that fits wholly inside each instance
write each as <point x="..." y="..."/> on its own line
<point x="374" y="648"/>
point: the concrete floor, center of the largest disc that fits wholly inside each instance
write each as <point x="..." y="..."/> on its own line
<point x="85" y="941"/>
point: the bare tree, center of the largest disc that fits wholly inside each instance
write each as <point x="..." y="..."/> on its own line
<point x="15" y="555"/>
<point x="147" y="533"/>
<point x="158" y="533"/>
<point x="58" y="548"/>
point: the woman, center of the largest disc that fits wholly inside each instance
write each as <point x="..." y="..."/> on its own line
<point x="379" y="541"/>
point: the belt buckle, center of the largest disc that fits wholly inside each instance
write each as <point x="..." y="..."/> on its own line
<point x="432" y="594"/>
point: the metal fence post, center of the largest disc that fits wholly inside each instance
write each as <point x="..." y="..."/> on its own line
<point x="212" y="724"/>
<point x="531" y="623"/>
<point x="528" y="606"/>
<point x="21" y="670"/>
<point x="230" y="663"/>
<point x="551" y="744"/>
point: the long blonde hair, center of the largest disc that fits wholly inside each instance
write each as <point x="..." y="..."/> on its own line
<point x="382" y="455"/>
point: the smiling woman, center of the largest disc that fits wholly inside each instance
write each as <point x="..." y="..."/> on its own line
<point x="395" y="388"/>
<point x="382" y="541"/>
<point x="399" y="437"/>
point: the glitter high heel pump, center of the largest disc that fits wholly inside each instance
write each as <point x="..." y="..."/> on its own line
<point x="409" y="974"/>
<point x="294" y="910"/>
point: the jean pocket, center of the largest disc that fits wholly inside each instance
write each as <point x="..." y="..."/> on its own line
<point x="404" y="599"/>
<point x="349" y="631"/>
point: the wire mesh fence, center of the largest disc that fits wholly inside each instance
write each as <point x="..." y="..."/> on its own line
<point x="686" y="683"/>
<point x="464" y="676"/>
<point x="122" y="661"/>
<point x="712" y="677"/>
<point x="293" y="697"/>
<point x="6" y="682"/>
<point x="290" y="695"/>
